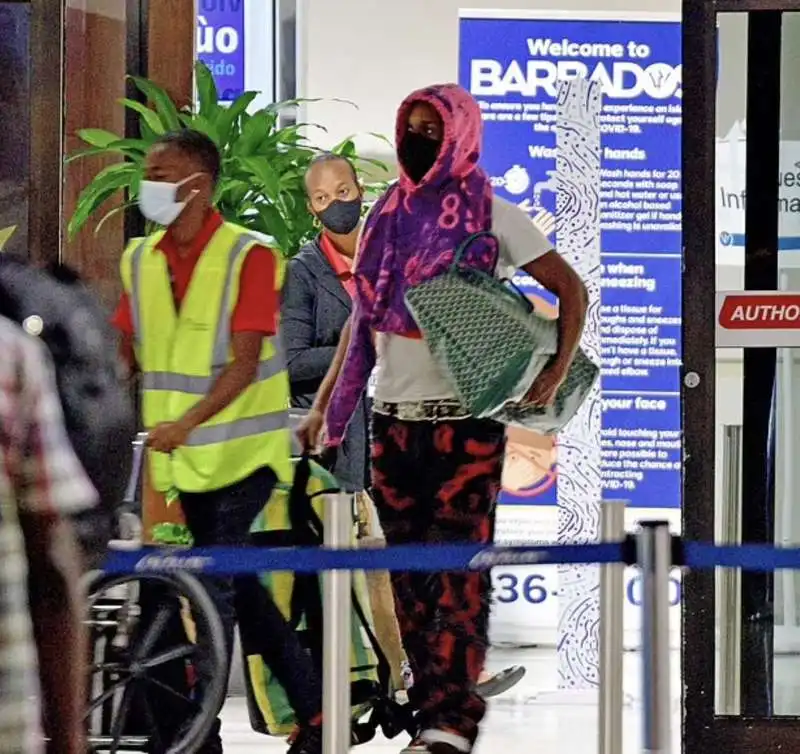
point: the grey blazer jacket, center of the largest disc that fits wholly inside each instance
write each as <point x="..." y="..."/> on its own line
<point x="315" y="308"/>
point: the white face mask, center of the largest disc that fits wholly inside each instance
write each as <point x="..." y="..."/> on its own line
<point x="158" y="201"/>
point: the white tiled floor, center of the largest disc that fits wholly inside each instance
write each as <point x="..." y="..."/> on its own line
<point x="529" y="718"/>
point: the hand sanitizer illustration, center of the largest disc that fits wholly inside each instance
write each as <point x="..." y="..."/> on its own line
<point x="516" y="180"/>
<point x="541" y="217"/>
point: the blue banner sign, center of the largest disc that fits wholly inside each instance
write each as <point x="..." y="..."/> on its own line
<point x="513" y="66"/>
<point x="220" y="44"/>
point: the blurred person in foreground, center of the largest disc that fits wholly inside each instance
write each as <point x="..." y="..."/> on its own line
<point x="436" y="470"/>
<point x="42" y="484"/>
<point x="199" y="319"/>
<point x="317" y="303"/>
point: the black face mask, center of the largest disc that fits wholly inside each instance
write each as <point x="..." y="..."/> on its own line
<point x="341" y="217"/>
<point x="418" y="155"/>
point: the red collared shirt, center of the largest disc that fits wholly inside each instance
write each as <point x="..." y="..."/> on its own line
<point x="258" y="303"/>
<point x="342" y="265"/>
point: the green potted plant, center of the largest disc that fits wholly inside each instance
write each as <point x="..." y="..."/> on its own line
<point x="263" y="164"/>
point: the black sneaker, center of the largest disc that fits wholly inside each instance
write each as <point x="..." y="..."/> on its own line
<point x="307" y="740"/>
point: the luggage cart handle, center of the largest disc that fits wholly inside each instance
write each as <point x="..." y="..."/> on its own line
<point x="139" y="445"/>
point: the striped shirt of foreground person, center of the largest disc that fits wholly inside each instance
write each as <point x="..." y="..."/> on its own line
<point x="41" y="482"/>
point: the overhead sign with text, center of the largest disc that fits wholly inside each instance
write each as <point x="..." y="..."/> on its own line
<point x="236" y="40"/>
<point x="512" y="63"/>
<point x="221" y="44"/>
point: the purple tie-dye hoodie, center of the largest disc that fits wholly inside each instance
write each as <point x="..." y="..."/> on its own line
<point x="410" y="236"/>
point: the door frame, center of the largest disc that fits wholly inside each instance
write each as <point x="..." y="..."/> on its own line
<point x="704" y="730"/>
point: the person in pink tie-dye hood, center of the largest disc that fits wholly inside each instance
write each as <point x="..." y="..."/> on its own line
<point x="435" y="469"/>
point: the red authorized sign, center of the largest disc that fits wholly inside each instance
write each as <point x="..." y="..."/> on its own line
<point x="758" y="318"/>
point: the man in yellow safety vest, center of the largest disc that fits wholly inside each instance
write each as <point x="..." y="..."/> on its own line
<point x="199" y="318"/>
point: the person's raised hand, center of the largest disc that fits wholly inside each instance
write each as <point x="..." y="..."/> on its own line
<point x="309" y="431"/>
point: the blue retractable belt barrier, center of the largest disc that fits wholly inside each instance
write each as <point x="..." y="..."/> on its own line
<point x="747" y="557"/>
<point x="241" y="560"/>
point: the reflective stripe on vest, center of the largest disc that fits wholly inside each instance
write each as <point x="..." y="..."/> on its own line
<point x="182" y="383"/>
<point x="222" y="340"/>
<point x="235" y="430"/>
<point x="136" y="285"/>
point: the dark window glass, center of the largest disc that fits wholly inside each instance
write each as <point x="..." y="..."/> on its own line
<point x="14" y="122"/>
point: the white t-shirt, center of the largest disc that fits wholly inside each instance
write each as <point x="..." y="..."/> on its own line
<point x="406" y="371"/>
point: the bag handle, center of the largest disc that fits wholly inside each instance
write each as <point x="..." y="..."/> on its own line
<point x="466" y="243"/>
<point x="510" y="283"/>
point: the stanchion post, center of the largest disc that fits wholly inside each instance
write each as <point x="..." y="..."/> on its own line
<point x="337" y="606"/>
<point x="654" y="546"/>
<point x="612" y="586"/>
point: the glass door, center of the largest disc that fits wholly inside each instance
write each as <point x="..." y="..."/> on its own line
<point x="742" y="272"/>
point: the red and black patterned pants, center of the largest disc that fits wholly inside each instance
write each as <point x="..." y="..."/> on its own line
<point x="438" y="482"/>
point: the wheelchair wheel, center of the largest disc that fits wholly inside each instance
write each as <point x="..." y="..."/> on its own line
<point x="157" y="666"/>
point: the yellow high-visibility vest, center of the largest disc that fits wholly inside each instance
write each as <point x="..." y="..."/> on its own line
<point x="182" y="354"/>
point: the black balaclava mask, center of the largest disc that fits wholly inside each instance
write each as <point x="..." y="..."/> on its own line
<point x="341" y="217"/>
<point x="417" y="154"/>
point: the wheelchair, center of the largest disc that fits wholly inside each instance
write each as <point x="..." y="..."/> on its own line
<point x="156" y="642"/>
<point x="133" y="670"/>
<point x="158" y="662"/>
